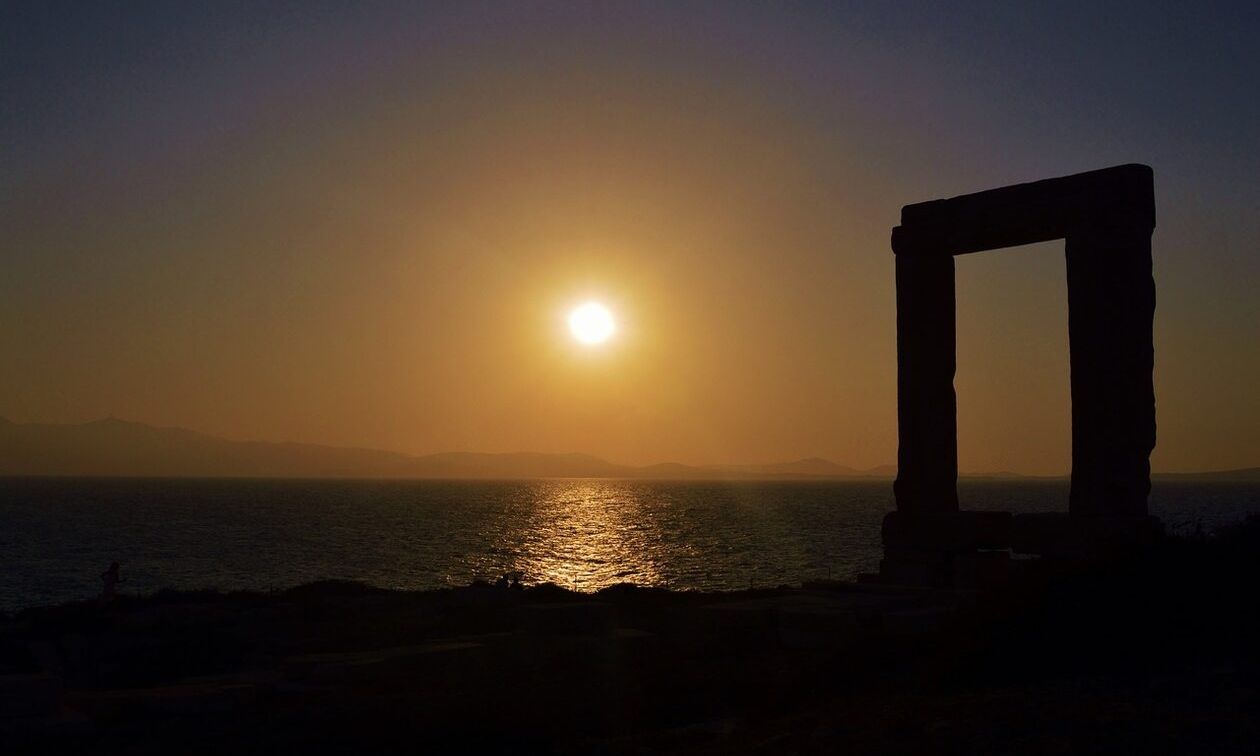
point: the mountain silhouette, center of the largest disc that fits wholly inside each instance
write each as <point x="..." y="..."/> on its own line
<point x="811" y="467"/>
<point x="113" y="447"/>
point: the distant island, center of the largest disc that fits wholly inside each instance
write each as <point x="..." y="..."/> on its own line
<point x="120" y="448"/>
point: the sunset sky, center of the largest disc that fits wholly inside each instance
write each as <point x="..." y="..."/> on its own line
<point x="368" y="223"/>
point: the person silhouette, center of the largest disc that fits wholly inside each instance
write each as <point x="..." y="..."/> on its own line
<point x="110" y="580"/>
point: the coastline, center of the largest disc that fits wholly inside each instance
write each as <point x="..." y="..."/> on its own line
<point x="1163" y="642"/>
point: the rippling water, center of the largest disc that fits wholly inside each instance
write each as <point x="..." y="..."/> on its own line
<point x="57" y="535"/>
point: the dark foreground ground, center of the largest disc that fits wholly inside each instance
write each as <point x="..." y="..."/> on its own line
<point x="1155" y="654"/>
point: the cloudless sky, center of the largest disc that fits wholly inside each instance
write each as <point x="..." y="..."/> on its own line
<point x="364" y="223"/>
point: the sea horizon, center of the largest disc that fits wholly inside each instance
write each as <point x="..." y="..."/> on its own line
<point x="584" y="534"/>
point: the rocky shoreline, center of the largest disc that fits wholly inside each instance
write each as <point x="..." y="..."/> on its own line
<point x="1155" y="652"/>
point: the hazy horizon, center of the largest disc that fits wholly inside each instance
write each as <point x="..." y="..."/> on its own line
<point x="773" y="469"/>
<point x="366" y="226"/>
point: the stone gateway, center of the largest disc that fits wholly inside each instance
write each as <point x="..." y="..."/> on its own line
<point x="1105" y="218"/>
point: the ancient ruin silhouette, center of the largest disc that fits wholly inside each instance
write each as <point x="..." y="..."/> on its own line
<point x="1106" y="218"/>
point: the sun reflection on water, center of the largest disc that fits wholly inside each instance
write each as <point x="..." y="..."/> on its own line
<point x="591" y="534"/>
<point x="587" y="534"/>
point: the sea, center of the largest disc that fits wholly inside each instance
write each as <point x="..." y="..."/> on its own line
<point x="57" y="535"/>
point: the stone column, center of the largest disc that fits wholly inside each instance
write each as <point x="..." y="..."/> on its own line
<point x="927" y="452"/>
<point x="1111" y="309"/>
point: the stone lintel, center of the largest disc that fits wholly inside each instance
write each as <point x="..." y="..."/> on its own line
<point x="1039" y="211"/>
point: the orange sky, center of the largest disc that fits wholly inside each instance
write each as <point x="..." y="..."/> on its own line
<point x="261" y="245"/>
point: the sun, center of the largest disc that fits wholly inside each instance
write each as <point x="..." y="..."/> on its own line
<point x="592" y="323"/>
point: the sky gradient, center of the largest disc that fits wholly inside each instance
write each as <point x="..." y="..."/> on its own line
<point x="366" y="224"/>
